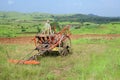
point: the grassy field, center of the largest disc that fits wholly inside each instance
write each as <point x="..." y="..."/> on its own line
<point x="98" y="29"/>
<point x="92" y="59"/>
<point x="19" y="29"/>
<point x="14" y="29"/>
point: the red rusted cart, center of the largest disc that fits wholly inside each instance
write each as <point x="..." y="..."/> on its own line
<point x="58" y="42"/>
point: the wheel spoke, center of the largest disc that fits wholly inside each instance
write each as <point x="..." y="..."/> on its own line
<point x="66" y="47"/>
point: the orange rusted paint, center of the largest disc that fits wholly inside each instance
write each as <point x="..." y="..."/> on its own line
<point x="24" y="61"/>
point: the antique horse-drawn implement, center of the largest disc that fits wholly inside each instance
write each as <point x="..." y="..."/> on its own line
<point x="59" y="42"/>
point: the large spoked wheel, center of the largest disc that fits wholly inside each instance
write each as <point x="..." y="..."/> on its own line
<point x="65" y="46"/>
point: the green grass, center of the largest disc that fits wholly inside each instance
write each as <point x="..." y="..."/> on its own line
<point x="92" y="59"/>
<point x="13" y="29"/>
<point x="98" y="29"/>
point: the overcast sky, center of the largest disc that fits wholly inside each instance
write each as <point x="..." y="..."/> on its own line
<point x="98" y="7"/>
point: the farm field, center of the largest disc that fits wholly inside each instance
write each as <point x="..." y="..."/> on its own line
<point x="59" y="40"/>
<point x="30" y="29"/>
<point x="95" y="57"/>
<point x="96" y="49"/>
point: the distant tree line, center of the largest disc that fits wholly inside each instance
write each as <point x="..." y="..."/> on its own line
<point x="13" y="16"/>
<point x="86" y="18"/>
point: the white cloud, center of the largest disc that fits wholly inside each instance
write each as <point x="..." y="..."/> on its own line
<point x="10" y="2"/>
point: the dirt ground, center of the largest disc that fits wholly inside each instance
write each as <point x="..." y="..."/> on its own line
<point x="28" y="40"/>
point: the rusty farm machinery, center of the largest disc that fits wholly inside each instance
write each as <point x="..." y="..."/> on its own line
<point x="59" y="42"/>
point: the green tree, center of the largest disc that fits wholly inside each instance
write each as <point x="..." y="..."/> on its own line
<point x="55" y="25"/>
<point x="23" y="29"/>
<point x="38" y="29"/>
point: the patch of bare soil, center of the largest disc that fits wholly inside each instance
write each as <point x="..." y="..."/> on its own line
<point x="107" y="36"/>
<point x="16" y="40"/>
<point x="28" y="40"/>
